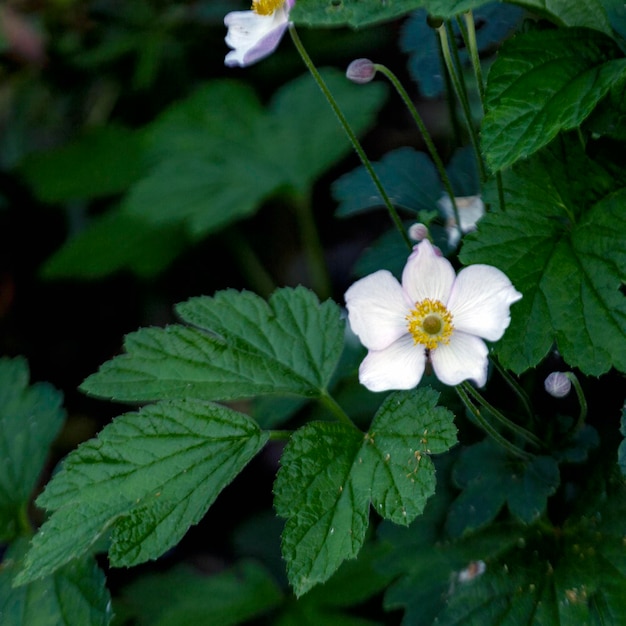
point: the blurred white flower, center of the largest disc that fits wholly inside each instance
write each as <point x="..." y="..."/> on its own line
<point x="255" y="34"/>
<point x="471" y="209"/>
<point x="434" y="314"/>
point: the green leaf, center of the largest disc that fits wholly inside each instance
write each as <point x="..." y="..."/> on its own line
<point x="102" y="162"/>
<point x="567" y="71"/>
<point x="489" y="478"/>
<point x="74" y="596"/>
<point x="561" y="241"/>
<point x="242" y="346"/>
<point x="145" y="479"/>
<point x="30" y="419"/>
<point x="184" y="597"/>
<point x="355" y="13"/>
<point x="330" y="473"/>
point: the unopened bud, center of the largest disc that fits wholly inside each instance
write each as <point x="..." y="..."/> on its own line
<point x="418" y="232"/>
<point x="557" y="384"/>
<point x="361" y="71"/>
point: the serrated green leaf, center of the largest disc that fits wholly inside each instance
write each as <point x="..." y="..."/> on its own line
<point x="146" y="478"/>
<point x="330" y="473"/>
<point x="489" y="478"/>
<point x="243" y="346"/>
<point x="30" y="419"/>
<point x="102" y="162"/>
<point x="184" y="597"/>
<point x="562" y="243"/>
<point x="355" y="13"/>
<point x="567" y="71"/>
<point x="74" y="596"/>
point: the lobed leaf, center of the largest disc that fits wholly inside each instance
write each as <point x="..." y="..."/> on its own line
<point x="146" y="478"/>
<point x="30" y="419"/>
<point x="243" y="346"/>
<point x="330" y="473"/>
<point x="567" y="72"/>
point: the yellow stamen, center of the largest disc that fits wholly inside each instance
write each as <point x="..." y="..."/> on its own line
<point x="430" y="323"/>
<point x="266" y="7"/>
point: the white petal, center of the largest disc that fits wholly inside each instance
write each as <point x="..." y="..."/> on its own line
<point x="377" y="310"/>
<point x="465" y="357"/>
<point x="480" y="301"/>
<point x="253" y="36"/>
<point x="427" y="275"/>
<point x="400" y="366"/>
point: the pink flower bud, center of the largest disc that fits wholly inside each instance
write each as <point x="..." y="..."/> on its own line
<point x="557" y="384"/>
<point x="418" y="232"/>
<point x="361" y="71"/>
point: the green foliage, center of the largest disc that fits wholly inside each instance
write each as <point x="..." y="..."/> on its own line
<point x="184" y="597"/>
<point x="561" y="242"/>
<point x="30" y="419"/>
<point x="330" y="473"/>
<point x="239" y="346"/>
<point x="146" y="478"/>
<point x="75" y="595"/>
<point x="209" y="160"/>
<point x="568" y="71"/>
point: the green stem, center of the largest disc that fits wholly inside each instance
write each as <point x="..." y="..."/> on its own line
<point x="331" y="404"/>
<point x="430" y="144"/>
<point x="462" y="96"/>
<point x="518" y="430"/>
<point x="313" y="249"/>
<point x="516" y="387"/>
<point x="350" y="133"/>
<point x="280" y="435"/>
<point x="489" y="429"/>
<point x="582" y="416"/>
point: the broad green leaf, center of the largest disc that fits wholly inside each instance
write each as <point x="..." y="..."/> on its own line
<point x="101" y="162"/>
<point x="355" y="13"/>
<point x="145" y="480"/>
<point x="184" y="597"/>
<point x="240" y="346"/>
<point x="331" y="472"/>
<point x="114" y="241"/>
<point x="30" y="419"/>
<point x="75" y="595"/>
<point x="489" y="478"/>
<point x="567" y="72"/>
<point x="587" y="13"/>
<point x="561" y="241"/>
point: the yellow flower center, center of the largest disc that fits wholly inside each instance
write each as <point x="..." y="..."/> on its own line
<point x="266" y="7"/>
<point x="430" y="323"/>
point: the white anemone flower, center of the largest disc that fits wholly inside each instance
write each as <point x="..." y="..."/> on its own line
<point x="433" y="315"/>
<point x="255" y="34"/>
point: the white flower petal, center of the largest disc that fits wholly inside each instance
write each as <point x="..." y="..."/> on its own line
<point x="465" y="357"/>
<point x="377" y="310"/>
<point x="400" y="366"/>
<point x="480" y="301"/>
<point x="427" y="275"/>
<point x="253" y="36"/>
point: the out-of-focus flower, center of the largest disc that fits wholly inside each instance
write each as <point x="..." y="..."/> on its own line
<point x="557" y="384"/>
<point x="418" y="231"/>
<point x="21" y="38"/>
<point x="255" y="34"/>
<point x="361" y="71"/>
<point x="434" y="314"/>
<point x="471" y="209"/>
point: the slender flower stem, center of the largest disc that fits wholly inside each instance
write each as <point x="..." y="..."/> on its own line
<point x="313" y="249"/>
<point x="462" y="96"/>
<point x="582" y="416"/>
<point x="516" y="387"/>
<point x="518" y="430"/>
<point x="488" y="428"/>
<point x="280" y="435"/>
<point x="348" y="130"/>
<point x="331" y="404"/>
<point x="430" y="144"/>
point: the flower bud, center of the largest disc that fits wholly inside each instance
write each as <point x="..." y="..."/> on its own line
<point x="361" y="71"/>
<point x="557" y="384"/>
<point x="418" y="231"/>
